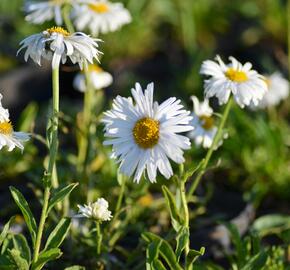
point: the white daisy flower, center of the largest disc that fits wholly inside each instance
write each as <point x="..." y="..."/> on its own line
<point x="57" y="44"/>
<point x="203" y="123"/>
<point x="97" y="210"/>
<point x="101" y="16"/>
<point x="247" y="86"/>
<point x="278" y="90"/>
<point x="40" y="12"/>
<point x="144" y="134"/>
<point x="99" y="79"/>
<point x="8" y="137"/>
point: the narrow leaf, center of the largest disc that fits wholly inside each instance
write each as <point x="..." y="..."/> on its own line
<point x="165" y="250"/>
<point x="75" y="267"/>
<point x="193" y="255"/>
<point x="5" y="230"/>
<point x="26" y="212"/>
<point x="152" y="253"/>
<point x="20" y="243"/>
<point x="257" y="262"/>
<point x="60" y="195"/>
<point x="182" y="240"/>
<point x="58" y="234"/>
<point x="170" y="200"/>
<point x="158" y="265"/>
<point x="20" y="262"/>
<point x="46" y="256"/>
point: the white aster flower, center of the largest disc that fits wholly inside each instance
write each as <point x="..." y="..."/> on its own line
<point x="97" y="210"/>
<point x="99" y="79"/>
<point x="278" y="90"/>
<point x="40" y="12"/>
<point x="203" y="123"/>
<point x="245" y="84"/>
<point x="57" y="44"/>
<point x="8" y="137"/>
<point x="144" y="134"/>
<point x="101" y="16"/>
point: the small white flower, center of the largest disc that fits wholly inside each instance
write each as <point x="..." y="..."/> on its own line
<point x="245" y="84"/>
<point x="101" y="16"/>
<point x="8" y="137"/>
<point x="57" y="44"/>
<point x="40" y="12"/>
<point x="99" y="79"/>
<point x="97" y="210"/>
<point x="278" y="90"/>
<point x="144" y="134"/>
<point x="203" y="123"/>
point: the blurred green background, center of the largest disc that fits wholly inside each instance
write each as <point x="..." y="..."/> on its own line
<point x="166" y="43"/>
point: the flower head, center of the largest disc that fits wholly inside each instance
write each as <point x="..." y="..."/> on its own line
<point x="203" y="122"/>
<point x="245" y="84"/>
<point x="40" y="12"/>
<point x="101" y="16"/>
<point x="144" y="134"/>
<point x="99" y="79"/>
<point x="8" y="137"/>
<point x="97" y="210"/>
<point x="278" y="90"/>
<point x="57" y="44"/>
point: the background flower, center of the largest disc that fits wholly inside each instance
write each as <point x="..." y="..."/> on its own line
<point x="244" y="83"/>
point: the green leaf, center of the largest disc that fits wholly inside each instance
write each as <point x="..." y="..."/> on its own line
<point x="193" y="255"/>
<point x="269" y="224"/>
<point x="27" y="117"/>
<point x="238" y="243"/>
<point x="75" y="267"/>
<point x="158" y="265"/>
<point x="26" y="212"/>
<point x="20" y="262"/>
<point x="5" y="230"/>
<point x="6" y="263"/>
<point x="192" y="170"/>
<point x="60" y="195"/>
<point x="257" y="262"/>
<point x="46" y="256"/>
<point x="20" y="243"/>
<point x="182" y="240"/>
<point x="58" y="234"/>
<point x="175" y="217"/>
<point x="152" y="253"/>
<point x="165" y="250"/>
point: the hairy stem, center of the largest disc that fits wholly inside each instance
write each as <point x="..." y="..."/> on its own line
<point x="53" y="145"/>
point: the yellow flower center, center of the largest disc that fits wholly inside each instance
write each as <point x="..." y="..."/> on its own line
<point x="207" y="121"/>
<point x="146" y="132"/>
<point x="99" y="7"/>
<point x="59" y="30"/>
<point x="236" y="75"/>
<point x="268" y="82"/>
<point x="95" y="68"/>
<point x="6" y="128"/>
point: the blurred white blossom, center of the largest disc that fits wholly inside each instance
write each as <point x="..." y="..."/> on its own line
<point x="245" y="84"/>
<point x="99" y="79"/>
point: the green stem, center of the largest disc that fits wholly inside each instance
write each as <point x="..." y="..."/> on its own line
<point x="53" y="145"/>
<point x="99" y="238"/>
<point x="185" y="210"/>
<point x="66" y="18"/>
<point x="211" y="149"/>
<point x="121" y="195"/>
<point x="288" y="34"/>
